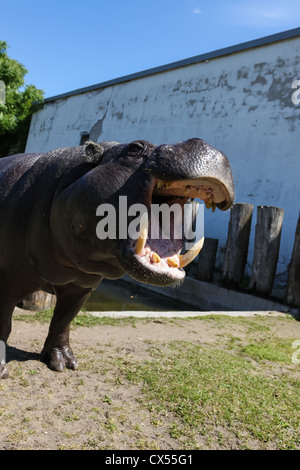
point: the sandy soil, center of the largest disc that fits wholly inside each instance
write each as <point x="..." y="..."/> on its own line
<point x="95" y="406"/>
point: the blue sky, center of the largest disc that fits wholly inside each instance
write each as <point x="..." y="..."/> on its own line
<point x="69" y="44"/>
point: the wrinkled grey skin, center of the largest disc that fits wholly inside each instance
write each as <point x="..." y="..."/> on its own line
<point x="48" y="223"/>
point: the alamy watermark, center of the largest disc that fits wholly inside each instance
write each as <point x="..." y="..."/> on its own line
<point x="2" y="92"/>
<point x="164" y="221"/>
<point x="2" y="352"/>
<point x="296" y="354"/>
<point x="296" y="94"/>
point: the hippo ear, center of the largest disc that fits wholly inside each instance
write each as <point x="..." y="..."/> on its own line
<point x="94" y="152"/>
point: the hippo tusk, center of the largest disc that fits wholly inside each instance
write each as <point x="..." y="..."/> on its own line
<point x="143" y="234"/>
<point x="188" y="257"/>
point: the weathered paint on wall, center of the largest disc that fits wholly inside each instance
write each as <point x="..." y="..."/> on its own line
<point x="240" y="103"/>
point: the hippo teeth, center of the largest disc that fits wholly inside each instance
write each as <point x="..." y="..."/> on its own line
<point x="188" y="257"/>
<point x="173" y="261"/>
<point x="161" y="184"/>
<point x="155" y="258"/>
<point x="143" y="234"/>
<point x="210" y="204"/>
<point x="189" y="190"/>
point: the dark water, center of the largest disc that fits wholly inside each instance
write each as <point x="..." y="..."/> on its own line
<point x="121" y="296"/>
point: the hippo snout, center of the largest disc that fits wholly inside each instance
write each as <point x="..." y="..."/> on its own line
<point x="197" y="168"/>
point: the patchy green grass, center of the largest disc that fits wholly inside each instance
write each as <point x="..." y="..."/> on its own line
<point x="82" y="319"/>
<point x="205" y="389"/>
<point x="87" y="320"/>
<point x="275" y="350"/>
<point x="43" y="317"/>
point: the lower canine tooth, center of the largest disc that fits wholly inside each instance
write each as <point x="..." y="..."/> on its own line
<point x="173" y="261"/>
<point x="155" y="258"/>
<point x="143" y="235"/>
<point x="188" y="257"/>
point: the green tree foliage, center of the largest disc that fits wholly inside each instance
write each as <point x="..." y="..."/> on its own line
<point x="17" y="108"/>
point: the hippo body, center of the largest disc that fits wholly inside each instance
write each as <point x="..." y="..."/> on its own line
<point x="48" y="207"/>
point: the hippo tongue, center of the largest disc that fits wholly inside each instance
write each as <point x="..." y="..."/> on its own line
<point x="175" y="261"/>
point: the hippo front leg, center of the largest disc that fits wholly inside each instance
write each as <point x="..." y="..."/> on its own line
<point x="57" y="353"/>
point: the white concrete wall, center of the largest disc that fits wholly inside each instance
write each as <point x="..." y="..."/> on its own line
<point x="240" y="103"/>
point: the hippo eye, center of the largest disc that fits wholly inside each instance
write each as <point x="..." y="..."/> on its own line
<point x="135" y="147"/>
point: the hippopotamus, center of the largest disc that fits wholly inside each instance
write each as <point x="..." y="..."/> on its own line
<point x="48" y="219"/>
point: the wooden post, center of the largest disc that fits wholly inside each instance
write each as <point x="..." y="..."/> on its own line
<point x="293" y="285"/>
<point x="39" y="301"/>
<point x="207" y="259"/>
<point x="266" y="248"/>
<point x="237" y="243"/>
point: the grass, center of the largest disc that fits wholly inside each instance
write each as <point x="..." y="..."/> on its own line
<point x="82" y="319"/>
<point x="270" y="349"/>
<point x="208" y="388"/>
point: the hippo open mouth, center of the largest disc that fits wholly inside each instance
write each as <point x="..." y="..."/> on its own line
<point x="156" y="257"/>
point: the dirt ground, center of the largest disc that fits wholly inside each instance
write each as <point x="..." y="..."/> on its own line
<point x="95" y="406"/>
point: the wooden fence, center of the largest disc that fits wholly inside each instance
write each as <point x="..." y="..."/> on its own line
<point x="266" y="249"/>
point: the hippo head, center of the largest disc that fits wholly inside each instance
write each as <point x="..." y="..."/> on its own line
<point x="143" y="174"/>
